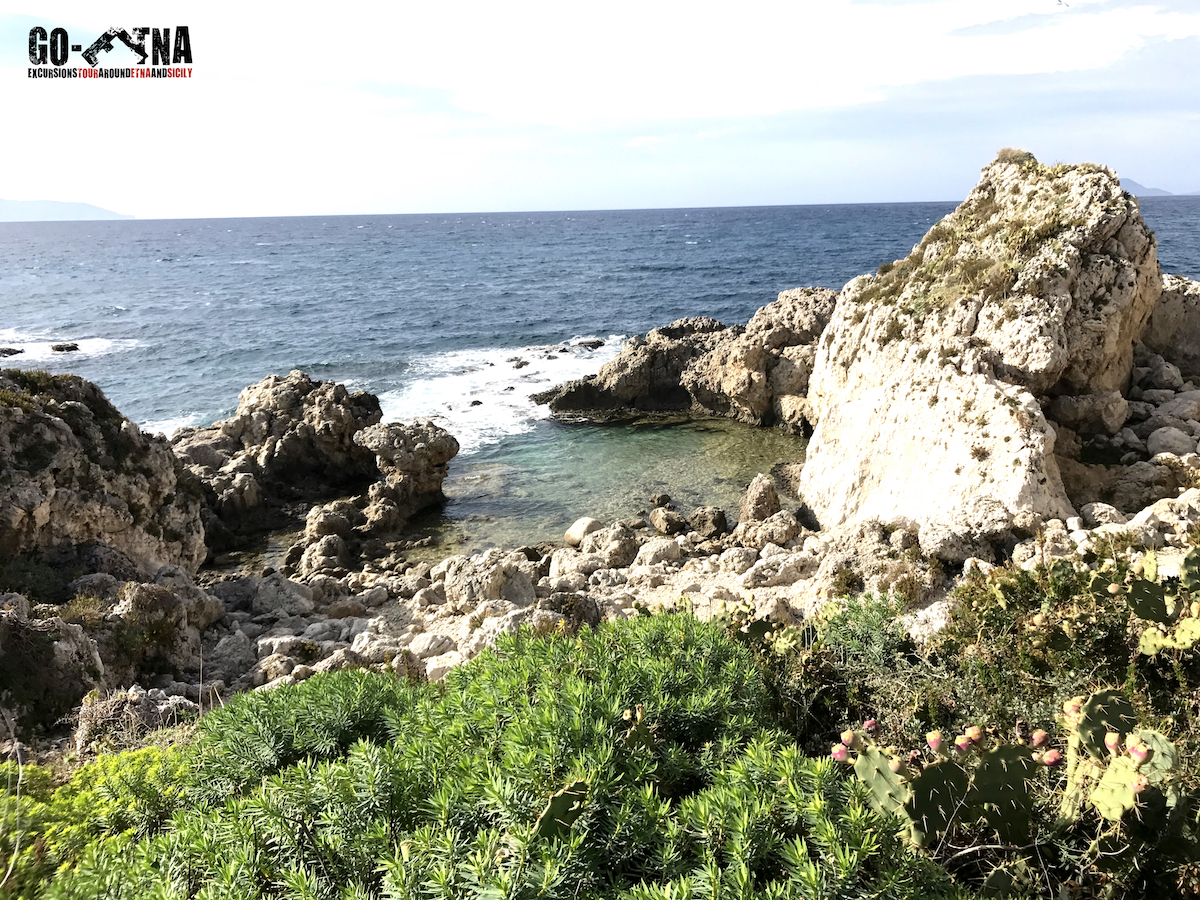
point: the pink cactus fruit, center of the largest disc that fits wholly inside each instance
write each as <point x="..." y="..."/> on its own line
<point x="1051" y="757"/>
<point x="851" y="739"/>
<point x="974" y="734"/>
<point x="1039" y="739"/>
<point x="840" y="753"/>
<point x="1138" y="783"/>
<point x="1138" y="751"/>
<point x="870" y="726"/>
<point x="934" y="739"/>
<point x="962" y="743"/>
<point x="1112" y="741"/>
<point x="1072" y="709"/>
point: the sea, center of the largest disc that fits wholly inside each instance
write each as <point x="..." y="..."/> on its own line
<point x="458" y="317"/>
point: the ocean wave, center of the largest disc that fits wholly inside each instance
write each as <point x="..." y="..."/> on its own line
<point x="39" y="348"/>
<point x="172" y="425"/>
<point x="482" y="396"/>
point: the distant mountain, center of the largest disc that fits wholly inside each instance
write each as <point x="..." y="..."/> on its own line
<point x="53" y="211"/>
<point x="1142" y="191"/>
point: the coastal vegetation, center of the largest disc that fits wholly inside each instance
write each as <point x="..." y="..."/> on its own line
<point x="663" y="756"/>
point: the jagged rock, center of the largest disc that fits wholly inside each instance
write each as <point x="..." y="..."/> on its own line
<point x="1128" y="488"/>
<point x="645" y="376"/>
<point x="1095" y="514"/>
<point x="17" y="604"/>
<point x="1174" y="327"/>
<point x="414" y="460"/>
<point x="616" y="545"/>
<point x="778" y="529"/>
<point x="658" y="550"/>
<point x="738" y="559"/>
<point x="78" y="472"/>
<point x="760" y="502"/>
<point x="1038" y="284"/>
<point x="427" y="645"/>
<point x="279" y="596"/>
<point x="129" y="714"/>
<point x="46" y="667"/>
<point x="1105" y="411"/>
<point x="761" y="375"/>
<point x="291" y="438"/>
<point x="567" y="562"/>
<point x="783" y="568"/>
<point x="491" y="575"/>
<point x="757" y="373"/>
<point x="232" y="656"/>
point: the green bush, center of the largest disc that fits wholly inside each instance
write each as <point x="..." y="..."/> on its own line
<point x="356" y="785"/>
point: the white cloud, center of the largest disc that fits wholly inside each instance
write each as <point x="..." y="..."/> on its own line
<point x="434" y="106"/>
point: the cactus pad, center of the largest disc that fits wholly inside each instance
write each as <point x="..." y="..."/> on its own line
<point x="1113" y="796"/>
<point x="1189" y="572"/>
<point x="1149" y="601"/>
<point x="562" y="809"/>
<point x="888" y="791"/>
<point x="1000" y="790"/>
<point x="936" y="798"/>
<point x="1104" y="711"/>
<point x="1162" y="755"/>
<point x="1184" y="636"/>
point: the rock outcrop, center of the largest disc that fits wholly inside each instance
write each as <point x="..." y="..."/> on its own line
<point x="927" y="384"/>
<point x="757" y="373"/>
<point x="291" y="438"/>
<point x="75" y="471"/>
<point x="413" y="461"/>
<point x="1173" y="331"/>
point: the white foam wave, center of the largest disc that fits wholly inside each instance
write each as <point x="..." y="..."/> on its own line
<point x="170" y="426"/>
<point x="481" y="396"/>
<point x="39" y="348"/>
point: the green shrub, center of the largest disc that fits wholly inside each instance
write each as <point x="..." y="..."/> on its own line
<point x="358" y="785"/>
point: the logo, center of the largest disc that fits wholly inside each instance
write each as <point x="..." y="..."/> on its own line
<point x="168" y="53"/>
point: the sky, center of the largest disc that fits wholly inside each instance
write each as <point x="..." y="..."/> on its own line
<point x="404" y="107"/>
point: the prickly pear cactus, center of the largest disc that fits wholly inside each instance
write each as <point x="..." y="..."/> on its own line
<point x="562" y="809"/>
<point x="1103" y="712"/>
<point x="936" y="798"/>
<point x="1000" y="790"/>
<point x="639" y="734"/>
<point x="1115" y="793"/>
<point x="1163" y="755"/>
<point x="1149" y="601"/>
<point x="1189" y="573"/>
<point x="1150" y="566"/>
<point x="888" y="791"/>
<point x="1184" y="636"/>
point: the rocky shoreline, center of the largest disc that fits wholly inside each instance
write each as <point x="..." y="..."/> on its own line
<point x="1023" y="387"/>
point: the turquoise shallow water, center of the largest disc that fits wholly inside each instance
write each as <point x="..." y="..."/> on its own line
<point x="532" y="489"/>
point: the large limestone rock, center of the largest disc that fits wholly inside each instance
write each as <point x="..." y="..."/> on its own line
<point x="757" y="373"/>
<point x="291" y="438"/>
<point x="927" y="382"/>
<point x="74" y="471"/>
<point x="1174" y="327"/>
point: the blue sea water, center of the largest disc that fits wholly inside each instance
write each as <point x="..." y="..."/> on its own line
<point x="458" y="316"/>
